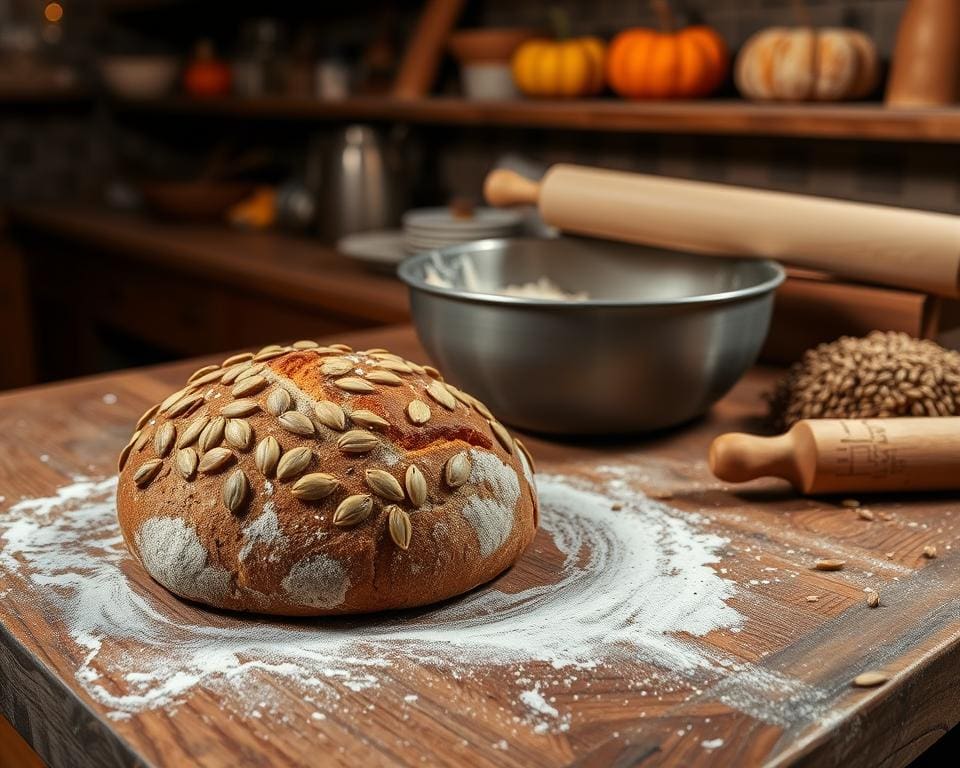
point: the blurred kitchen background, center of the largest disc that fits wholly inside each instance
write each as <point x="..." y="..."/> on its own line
<point x="178" y="178"/>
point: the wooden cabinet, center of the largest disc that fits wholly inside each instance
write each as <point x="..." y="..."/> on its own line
<point x="14" y="751"/>
<point x="109" y="291"/>
<point x="17" y="368"/>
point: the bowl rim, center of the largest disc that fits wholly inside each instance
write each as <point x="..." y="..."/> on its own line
<point x="405" y="271"/>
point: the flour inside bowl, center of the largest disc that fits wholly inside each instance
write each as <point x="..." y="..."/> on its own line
<point x="614" y="580"/>
<point x="541" y="288"/>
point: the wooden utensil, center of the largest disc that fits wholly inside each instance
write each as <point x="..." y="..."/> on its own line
<point x="847" y="455"/>
<point x="871" y="243"/>
<point x="418" y="69"/>
<point x="926" y="61"/>
<point x="813" y="308"/>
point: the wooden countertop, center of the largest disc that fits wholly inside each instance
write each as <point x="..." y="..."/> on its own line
<point x="294" y="269"/>
<point x="774" y="687"/>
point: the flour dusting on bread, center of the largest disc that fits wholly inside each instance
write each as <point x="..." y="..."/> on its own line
<point x="492" y="517"/>
<point x="264" y="530"/>
<point x="319" y="581"/>
<point x="173" y="554"/>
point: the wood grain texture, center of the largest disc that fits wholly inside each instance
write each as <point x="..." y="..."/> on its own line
<point x="868" y="122"/>
<point x="812" y="308"/>
<point x="819" y="646"/>
<point x="14" y="751"/>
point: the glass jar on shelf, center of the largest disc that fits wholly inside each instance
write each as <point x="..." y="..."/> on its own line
<point x="260" y="66"/>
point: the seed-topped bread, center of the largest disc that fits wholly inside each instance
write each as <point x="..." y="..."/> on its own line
<point x="310" y="480"/>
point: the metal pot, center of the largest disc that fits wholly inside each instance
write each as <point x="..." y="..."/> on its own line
<point x="362" y="183"/>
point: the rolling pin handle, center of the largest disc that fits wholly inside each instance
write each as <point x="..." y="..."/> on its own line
<point x="503" y="188"/>
<point x="736" y="458"/>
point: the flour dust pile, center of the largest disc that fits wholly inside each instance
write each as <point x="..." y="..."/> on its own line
<point x="632" y="585"/>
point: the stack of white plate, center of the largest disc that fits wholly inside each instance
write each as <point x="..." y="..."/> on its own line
<point x="425" y="229"/>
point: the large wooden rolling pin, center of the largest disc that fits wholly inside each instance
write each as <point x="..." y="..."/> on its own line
<point x="870" y="243"/>
<point x="848" y="455"/>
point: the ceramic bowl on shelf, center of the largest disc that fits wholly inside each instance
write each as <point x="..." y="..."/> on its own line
<point x="139" y="77"/>
<point x="484" y="56"/>
<point x="487" y="44"/>
<point x="426" y="228"/>
<point x="660" y="336"/>
<point x="488" y="81"/>
<point x="378" y="249"/>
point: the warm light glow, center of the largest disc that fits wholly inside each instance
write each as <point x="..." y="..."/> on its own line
<point x="53" y="12"/>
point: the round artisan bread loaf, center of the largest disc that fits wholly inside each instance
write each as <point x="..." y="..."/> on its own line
<point x="309" y="480"/>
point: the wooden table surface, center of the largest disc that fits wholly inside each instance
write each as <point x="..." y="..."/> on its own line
<point x="775" y="687"/>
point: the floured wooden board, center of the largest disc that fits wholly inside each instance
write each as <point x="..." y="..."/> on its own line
<point x="659" y="619"/>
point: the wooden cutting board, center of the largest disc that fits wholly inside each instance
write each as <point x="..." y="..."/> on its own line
<point x="762" y="676"/>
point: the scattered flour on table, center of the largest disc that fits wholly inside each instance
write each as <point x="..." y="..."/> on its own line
<point x="543" y="712"/>
<point x="634" y="585"/>
<point x="534" y="699"/>
<point x="712" y="743"/>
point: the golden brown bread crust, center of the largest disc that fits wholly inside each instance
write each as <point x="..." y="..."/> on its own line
<point x="233" y="537"/>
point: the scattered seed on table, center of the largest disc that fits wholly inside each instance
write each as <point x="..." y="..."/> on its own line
<point x="813" y="598"/>
<point x="829" y="565"/>
<point x="929" y="552"/>
<point x="850" y="503"/>
<point x="873" y="599"/>
<point x="870" y="679"/>
<point x="865" y="514"/>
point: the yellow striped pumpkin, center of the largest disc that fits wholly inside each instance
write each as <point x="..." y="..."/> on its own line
<point x="560" y="68"/>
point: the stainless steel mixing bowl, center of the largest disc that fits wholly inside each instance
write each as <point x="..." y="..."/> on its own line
<point x="662" y="336"/>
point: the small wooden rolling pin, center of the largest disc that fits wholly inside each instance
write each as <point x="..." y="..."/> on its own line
<point x="848" y="455"/>
<point x="870" y="243"/>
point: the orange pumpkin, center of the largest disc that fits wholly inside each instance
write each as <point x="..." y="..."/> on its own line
<point x="206" y="75"/>
<point x="646" y="63"/>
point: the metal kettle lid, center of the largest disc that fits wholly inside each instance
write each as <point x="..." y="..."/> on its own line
<point x="359" y="134"/>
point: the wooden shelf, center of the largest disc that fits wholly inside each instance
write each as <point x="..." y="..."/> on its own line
<point x="295" y="270"/>
<point x="735" y="118"/>
<point x="11" y="93"/>
<point x="111" y="290"/>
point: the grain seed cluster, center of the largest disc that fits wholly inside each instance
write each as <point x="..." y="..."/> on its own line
<point x="208" y="443"/>
<point x="880" y="375"/>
